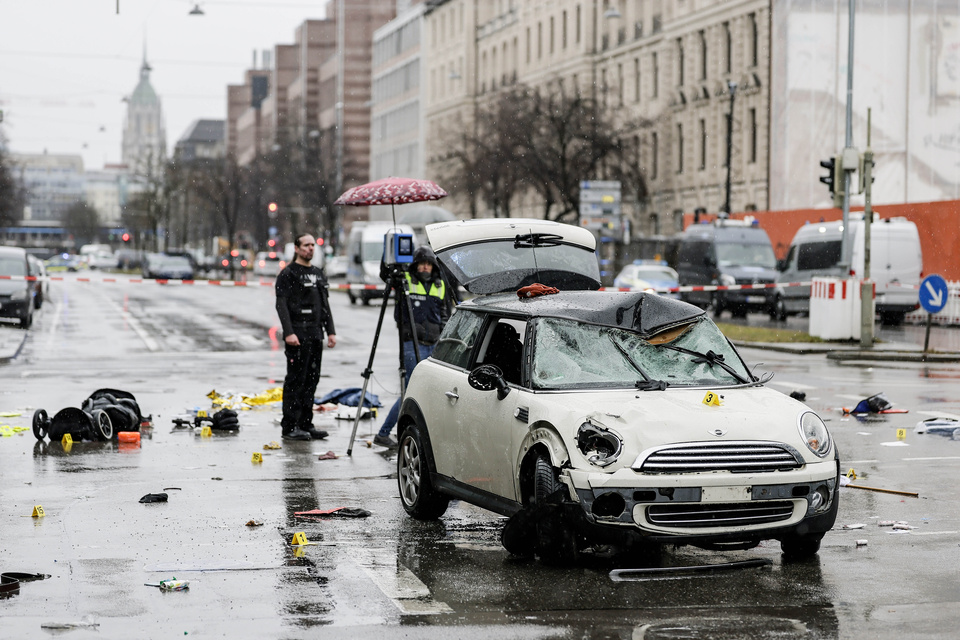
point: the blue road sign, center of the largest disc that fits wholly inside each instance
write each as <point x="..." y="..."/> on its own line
<point x="933" y="293"/>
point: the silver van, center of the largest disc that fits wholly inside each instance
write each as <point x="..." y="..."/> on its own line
<point x="896" y="263"/>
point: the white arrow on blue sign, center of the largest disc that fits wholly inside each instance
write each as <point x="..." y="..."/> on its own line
<point x="933" y="293"/>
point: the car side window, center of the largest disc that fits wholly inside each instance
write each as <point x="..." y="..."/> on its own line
<point x="503" y="347"/>
<point x="456" y="343"/>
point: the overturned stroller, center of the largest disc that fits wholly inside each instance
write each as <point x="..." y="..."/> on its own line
<point x="101" y="416"/>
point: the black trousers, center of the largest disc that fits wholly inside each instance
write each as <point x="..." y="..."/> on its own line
<point x="300" y="384"/>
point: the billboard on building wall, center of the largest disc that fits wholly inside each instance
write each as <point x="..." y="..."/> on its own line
<point x="906" y="70"/>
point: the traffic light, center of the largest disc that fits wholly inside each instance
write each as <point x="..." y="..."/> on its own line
<point x="272" y="242"/>
<point x="125" y="237"/>
<point x="834" y="179"/>
<point x="272" y="208"/>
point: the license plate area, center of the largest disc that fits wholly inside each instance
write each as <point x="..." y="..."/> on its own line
<point x="726" y="494"/>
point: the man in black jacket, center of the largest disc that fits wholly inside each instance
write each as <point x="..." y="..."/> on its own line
<point x="428" y="299"/>
<point x="304" y="310"/>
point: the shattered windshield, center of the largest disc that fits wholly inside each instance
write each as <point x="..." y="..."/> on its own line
<point x="568" y="354"/>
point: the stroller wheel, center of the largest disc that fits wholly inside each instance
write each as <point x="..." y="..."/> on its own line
<point x="40" y="424"/>
<point x="102" y="425"/>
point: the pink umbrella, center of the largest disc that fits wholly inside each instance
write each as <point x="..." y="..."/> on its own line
<point x="391" y="191"/>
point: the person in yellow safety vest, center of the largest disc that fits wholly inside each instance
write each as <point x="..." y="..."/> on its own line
<point x="428" y="299"/>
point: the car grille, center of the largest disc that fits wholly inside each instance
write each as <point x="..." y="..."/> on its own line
<point x="719" y="514"/>
<point x="735" y="457"/>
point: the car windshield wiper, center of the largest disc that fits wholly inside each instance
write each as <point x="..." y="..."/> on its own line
<point x="647" y="384"/>
<point x="711" y="358"/>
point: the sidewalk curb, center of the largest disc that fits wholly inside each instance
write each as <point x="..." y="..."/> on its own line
<point x="842" y="352"/>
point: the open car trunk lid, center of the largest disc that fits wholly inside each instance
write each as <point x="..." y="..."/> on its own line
<point x="500" y="255"/>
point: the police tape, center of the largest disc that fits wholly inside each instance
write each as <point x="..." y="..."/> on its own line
<point x="380" y="287"/>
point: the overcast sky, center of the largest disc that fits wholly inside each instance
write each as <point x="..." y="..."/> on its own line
<point x="65" y="65"/>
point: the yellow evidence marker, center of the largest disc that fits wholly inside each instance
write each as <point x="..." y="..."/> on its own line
<point x="37" y="512"/>
<point x="851" y="474"/>
<point x="206" y="431"/>
<point x="66" y="440"/>
<point x="712" y="399"/>
<point x="300" y="538"/>
<point x="901" y="434"/>
<point x="256" y="457"/>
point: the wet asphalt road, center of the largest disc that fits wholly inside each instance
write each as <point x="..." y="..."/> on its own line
<point x="386" y="574"/>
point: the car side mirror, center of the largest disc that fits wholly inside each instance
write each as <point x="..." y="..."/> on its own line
<point x="488" y="377"/>
<point x="781" y="265"/>
<point x="356" y="259"/>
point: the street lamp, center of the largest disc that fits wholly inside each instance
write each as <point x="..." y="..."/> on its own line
<point x="732" y="86"/>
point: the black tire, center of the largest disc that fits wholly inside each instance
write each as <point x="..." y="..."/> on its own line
<point x="26" y="320"/>
<point x="801" y="547"/>
<point x="40" y="423"/>
<point x="892" y="318"/>
<point x="778" y="310"/>
<point x="555" y="543"/>
<point x="102" y="425"/>
<point x="417" y="494"/>
<point x="717" y="305"/>
<point x="353" y="298"/>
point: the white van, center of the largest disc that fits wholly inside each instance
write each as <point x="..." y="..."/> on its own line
<point x="364" y="250"/>
<point x="895" y="260"/>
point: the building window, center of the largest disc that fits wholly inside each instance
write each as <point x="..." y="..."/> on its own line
<point x="679" y="148"/>
<point x="528" y="45"/>
<point x="679" y="62"/>
<point x="656" y="76"/>
<point x="563" y="27"/>
<point x="603" y="86"/>
<point x="754" y="40"/>
<point x="620" y="84"/>
<point x="539" y="40"/>
<point x="578" y="24"/>
<point x="703" y="55"/>
<point x="727" y="47"/>
<point x="753" y="135"/>
<point x="636" y="79"/>
<point x="551" y="34"/>
<point x="703" y="144"/>
<point x="654" y="155"/>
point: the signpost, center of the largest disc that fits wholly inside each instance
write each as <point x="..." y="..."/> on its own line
<point x="933" y="298"/>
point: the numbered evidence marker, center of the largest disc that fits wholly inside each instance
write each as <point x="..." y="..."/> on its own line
<point x="712" y="399"/>
<point x="257" y="457"/>
<point x="206" y="431"/>
<point x="66" y="440"/>
<point x="300" y="538"/>
<point x="37" y="512"/>
<point x="901" y="434"/>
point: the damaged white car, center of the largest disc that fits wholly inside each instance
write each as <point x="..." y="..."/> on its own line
<point x="593" y="417"/>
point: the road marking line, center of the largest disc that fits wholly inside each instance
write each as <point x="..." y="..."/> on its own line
<point x="792" y="385"/>
<point x="408" y="593"/>
<point x="129" y="318"/>
<point x="928" y="459"/>
<point x="932" y="533"/>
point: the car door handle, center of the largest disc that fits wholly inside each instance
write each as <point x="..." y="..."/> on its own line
<point x="452" y="395"/>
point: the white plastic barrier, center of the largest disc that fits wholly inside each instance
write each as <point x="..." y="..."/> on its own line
<point x="835" y="308"/>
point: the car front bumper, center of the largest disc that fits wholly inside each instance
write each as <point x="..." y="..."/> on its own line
<point x="705" y="508"/>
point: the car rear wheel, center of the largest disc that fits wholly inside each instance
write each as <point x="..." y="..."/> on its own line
<point x="417" y="493"/>
<point x="556" y="543"/>
<point x="778" y="310"/>
<point x="801" y="547"/>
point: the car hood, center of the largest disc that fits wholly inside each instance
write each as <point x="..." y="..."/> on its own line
<point x="650" y="419"/>
<point x="500" y="255"/>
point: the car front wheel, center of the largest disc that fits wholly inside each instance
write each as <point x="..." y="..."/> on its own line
<point x="556" y="543"/>
<point x="417" y="493"/>
<point x="778" y="310"/>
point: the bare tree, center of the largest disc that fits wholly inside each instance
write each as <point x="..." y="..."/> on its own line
<point x="82" y="221"/>
<point x="219" y="183"/>
<point x="11" y="191"/>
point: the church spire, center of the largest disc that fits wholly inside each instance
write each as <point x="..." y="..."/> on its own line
<point x="145" y="68"/>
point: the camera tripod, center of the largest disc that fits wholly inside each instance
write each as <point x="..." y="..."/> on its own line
<point x="397" y="283"/>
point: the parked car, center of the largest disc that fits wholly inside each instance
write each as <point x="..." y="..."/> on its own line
<point x="41" y="284"/>
<point x="16" y="293"/>
<point x="648" y="274"/>
<point x="725" y="253"/>
<point x="102" y="260"/>
<point x="335" y="266"/>
<point x="268" y="263"/>
<point x="129" y="259"/>
<point x="593" y="417"/>
<point x="895" y="260"/>
<point x="163" y="267"/>
<point x="64" y="262"/>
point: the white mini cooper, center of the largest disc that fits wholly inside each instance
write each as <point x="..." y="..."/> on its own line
<point x="593" y="417"/>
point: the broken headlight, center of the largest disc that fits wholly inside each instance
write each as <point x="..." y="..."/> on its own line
<point x="598" y="445"/>
<point x="814" y="433"/>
